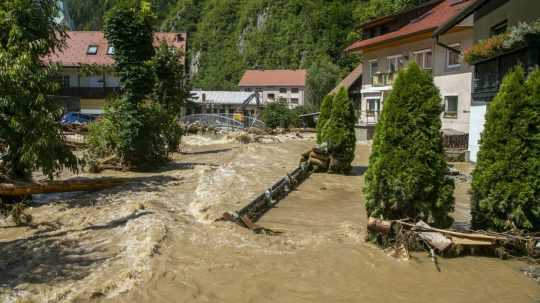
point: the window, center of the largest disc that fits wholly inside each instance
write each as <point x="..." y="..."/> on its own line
<point x="450" y="106"/>
<point x="271" y="96"/>
<point x="395" y="63"/>
<point x="373" y="67"/>
<point x="282" y="90"/>
<point x="499" y="28"/>
<point x="453" y="58"/>
<point x="424" y="58"/>
<point x="294" y="100"/>
<point x="110" y="50"/>
<point x="372" y="106"/>
<point x="248" y="90"/>
<point x="92" y="50"/>
<point x="65" y="82"/>
<point x="294" y="90"/>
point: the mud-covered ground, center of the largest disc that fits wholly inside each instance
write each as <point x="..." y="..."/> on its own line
<point x="155" y="240"/>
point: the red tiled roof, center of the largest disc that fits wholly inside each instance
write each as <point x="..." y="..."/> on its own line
<point x="428" y="22"/>
<point x="274" y="78"/>
<point x="75" y="52"/>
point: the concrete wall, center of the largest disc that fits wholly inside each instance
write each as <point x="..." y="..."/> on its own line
<point x="266" y="90"/>
<point x="476" y="128"/>
<point x="514" y="11"/>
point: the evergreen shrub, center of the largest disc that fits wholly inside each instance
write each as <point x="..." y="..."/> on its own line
<point x="406" y="177"/>
<point x="506" y="180"/>
<point x="338" y="133"/>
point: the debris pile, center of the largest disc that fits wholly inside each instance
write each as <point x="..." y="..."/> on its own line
<point x="405" y="235"/>
<point x="318" y="158"/>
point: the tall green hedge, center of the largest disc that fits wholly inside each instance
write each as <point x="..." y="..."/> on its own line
<point x="406" y="177"/>
<point x="338" y="133"/>
<point x="506" y="181"/>
<point x="324" y="115"/>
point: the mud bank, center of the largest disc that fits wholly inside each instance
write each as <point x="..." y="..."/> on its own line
<point x="155" y="240"/>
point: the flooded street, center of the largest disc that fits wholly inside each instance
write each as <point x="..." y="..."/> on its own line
<point x="155" y="240"/>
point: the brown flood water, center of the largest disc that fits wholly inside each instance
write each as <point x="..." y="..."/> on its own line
<point x="155" y="240"/>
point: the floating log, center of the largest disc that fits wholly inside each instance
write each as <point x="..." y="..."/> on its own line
<point x="318" y="156"/>
<point x="24" y="189"/>
<point x="379" y="226"/>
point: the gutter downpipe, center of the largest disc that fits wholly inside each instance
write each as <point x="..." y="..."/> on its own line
<point x="457" y="51"/>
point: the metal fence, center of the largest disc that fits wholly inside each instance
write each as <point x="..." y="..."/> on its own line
<point x="223" y="121"/>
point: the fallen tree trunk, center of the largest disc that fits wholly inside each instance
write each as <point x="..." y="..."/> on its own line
<point x="23" y="189"/>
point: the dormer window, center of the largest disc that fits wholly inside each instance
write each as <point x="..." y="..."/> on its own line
<point x="110" y="50"/>
<point x="92" y="50"/>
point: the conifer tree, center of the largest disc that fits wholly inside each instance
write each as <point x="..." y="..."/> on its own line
<point x="324" y="115"/>
<point x="506" y="181"/>
<point x="338" y="133"/>
<point x="29" y="132"/>
<point x="406" y="177"/>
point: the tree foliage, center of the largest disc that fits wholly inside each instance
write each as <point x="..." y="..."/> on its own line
<point x="406" y="177"/>
<point x="506" y="181"/>
<point x="338" y="133"/>
<point x="277" y="114"/>
<point x="140" y="126"/>
<point x="28" y="113"/>
<point x="323" y="76"/>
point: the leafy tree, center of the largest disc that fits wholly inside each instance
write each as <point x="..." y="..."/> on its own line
<point x="128" y="28"/>
<point x="171" y="90"/>
<point x="506" y="181"/>
<point x="406" y="177"/>
<point x="324" y="115"/>
<point x="277" y="114"/>
<point x="28" y="113"/>
<point x="323" y="76"/>
<point x="303" y="110"/>
<point x="338" y="133"/>
<point x="130" y="128"/>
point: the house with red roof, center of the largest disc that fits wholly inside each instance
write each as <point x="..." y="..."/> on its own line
<point x="390" y="42"/>
<point x="274" y="85"/>
<point x="84" y="91"/>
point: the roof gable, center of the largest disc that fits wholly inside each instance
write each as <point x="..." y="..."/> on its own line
<point x="428" y="22"/>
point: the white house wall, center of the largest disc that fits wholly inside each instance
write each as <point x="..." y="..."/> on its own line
<point x="456" y="85"/>
<point x="478" y="113"/>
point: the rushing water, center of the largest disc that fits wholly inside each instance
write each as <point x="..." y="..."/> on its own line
<point x="155" y="240"/>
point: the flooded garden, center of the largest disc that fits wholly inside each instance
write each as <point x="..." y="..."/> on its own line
<point x="155" y="239"/>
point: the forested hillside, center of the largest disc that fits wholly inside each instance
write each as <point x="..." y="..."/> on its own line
<point x="229" y="36"/>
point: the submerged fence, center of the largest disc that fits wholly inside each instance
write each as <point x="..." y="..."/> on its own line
<point x="223" y="121"/>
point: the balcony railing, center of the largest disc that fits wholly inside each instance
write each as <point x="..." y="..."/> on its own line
<point x="368" y="117"/>
<point x="88" y="92"/>
<point x="383" y="79"/>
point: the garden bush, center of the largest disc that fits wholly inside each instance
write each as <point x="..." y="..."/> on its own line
<point x="324" y="115"/>
<point x="406" y="177"/>
<point x="506" y="180"/>
<point x="277" y="114"/>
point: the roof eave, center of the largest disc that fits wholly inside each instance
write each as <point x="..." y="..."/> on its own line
<point x="357" y="49"/>
<point x="459" y="17"/>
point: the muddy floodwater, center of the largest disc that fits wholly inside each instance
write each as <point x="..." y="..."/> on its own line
<point x="155" y="240"/>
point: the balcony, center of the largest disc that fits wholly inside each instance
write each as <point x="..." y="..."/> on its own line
<point x="88" y="92"/>
<point x="489" y="73"/>
<point x="383" y="79"/>
<point x="368" y="117"/>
